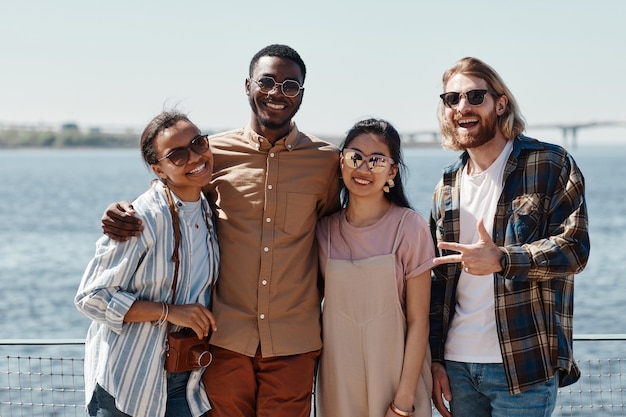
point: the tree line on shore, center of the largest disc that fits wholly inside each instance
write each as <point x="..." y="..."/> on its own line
<point x="68" y="136"/>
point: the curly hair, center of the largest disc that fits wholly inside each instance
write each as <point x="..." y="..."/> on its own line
<point x="279" y="51"/>
<point x="158" y="124"/>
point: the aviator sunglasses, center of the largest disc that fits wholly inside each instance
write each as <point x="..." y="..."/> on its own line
<point x="289" y="88"/>
<point x="474" y="97"/>
<point x="180" y="156"/>
<point x="376" y="163"/>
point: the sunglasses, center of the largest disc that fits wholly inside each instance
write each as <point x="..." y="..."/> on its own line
<point x="473" y="97"/>
<point x="180" y="156"/>
<point x="376" y="163"/>
<point x="289" y="88"/>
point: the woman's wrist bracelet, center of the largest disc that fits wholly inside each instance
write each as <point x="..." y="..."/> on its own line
<point x="167" y="312"/>
<point x="164" y="313"/>
<point x="402" y="413"/>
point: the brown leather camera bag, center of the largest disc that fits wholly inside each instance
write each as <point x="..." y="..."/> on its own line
<point x="184" y="351"/>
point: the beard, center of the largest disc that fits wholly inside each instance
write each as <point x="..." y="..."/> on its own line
<point x="275" y="124"/>
<point x="486" y="131"/>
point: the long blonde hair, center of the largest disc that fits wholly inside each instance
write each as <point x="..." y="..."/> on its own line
<point x="511" y="123"/>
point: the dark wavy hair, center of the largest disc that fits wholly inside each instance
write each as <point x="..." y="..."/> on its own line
<point x="391" y="138"/>
<point x="279" y="51"/>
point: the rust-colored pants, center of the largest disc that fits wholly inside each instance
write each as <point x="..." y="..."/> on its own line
<point x="241" y="386"/>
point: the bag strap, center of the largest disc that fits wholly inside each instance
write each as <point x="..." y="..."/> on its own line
<point x="175" y="254"/>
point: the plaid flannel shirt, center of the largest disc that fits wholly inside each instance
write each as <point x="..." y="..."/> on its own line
<point x="541" y="224"/>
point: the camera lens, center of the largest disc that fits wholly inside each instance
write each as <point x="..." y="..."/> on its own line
<point x="205" y="358"/>
<point x="199" y="356"/>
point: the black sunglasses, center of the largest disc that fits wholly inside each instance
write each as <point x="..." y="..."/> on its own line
<point x="180" y="156"/>
<point x="474" y="97"/>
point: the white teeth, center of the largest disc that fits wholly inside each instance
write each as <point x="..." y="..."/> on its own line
<point x="200" y="168"/>
<point x="361" y="181"/>
<point x="463" y="121"/>
<point x="275" y="106"/>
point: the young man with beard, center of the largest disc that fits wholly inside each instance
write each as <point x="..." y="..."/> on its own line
<point x="271" y="184"/>
<point x="510" y="221"/>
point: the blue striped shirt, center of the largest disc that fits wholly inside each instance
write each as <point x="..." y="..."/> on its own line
<point x="127" y="359"/>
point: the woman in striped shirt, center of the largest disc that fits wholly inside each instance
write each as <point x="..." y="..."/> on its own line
<point x="127" y="287"/>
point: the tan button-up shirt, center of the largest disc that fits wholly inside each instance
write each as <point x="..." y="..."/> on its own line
<point x="269" y="199"/>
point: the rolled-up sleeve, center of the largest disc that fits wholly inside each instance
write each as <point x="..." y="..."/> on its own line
<point x="105" y="293"/>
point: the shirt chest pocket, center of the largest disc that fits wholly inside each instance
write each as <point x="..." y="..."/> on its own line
<point x="525" y="218"/>
<point x="297" y="211"/>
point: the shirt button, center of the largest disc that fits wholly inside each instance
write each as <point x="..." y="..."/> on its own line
<point x="289" y="146"/>
<point x="271" y="154"/>
<point x="264" y="282"/>
<point x="266" y="249"/>
<point x="269" y="187"/>
<point x="268" y="220"/>
<point x="262" y="316"/>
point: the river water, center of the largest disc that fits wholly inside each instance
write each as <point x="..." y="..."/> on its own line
<point x="51" y="202"/>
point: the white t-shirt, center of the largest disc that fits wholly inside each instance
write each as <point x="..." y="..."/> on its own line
<point x="472" y="336"/>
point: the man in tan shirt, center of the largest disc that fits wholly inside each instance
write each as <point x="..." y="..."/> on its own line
<point x="271" y="184"/>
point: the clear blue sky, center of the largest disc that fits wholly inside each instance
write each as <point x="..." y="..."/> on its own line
<point x="118" y="62"/>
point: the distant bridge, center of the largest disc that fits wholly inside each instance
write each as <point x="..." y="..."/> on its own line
<point x="432" y="138"/>
<point x="569" y="130"/>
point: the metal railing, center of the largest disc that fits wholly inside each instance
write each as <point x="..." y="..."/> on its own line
<point x="36" y="383"/>
<point x="600" y="389"/>
<point x="42" y="377"/>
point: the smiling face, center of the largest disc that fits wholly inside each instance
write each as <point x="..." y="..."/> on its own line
<point x="472" y="126"/>
<point x="273" y="111"/>
<point x="361" y="182"/>
<point x="185" y="181"/>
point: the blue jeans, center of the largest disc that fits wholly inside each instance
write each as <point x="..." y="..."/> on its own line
<point x="103" y="404"/>
<point x="481" y="390"/>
